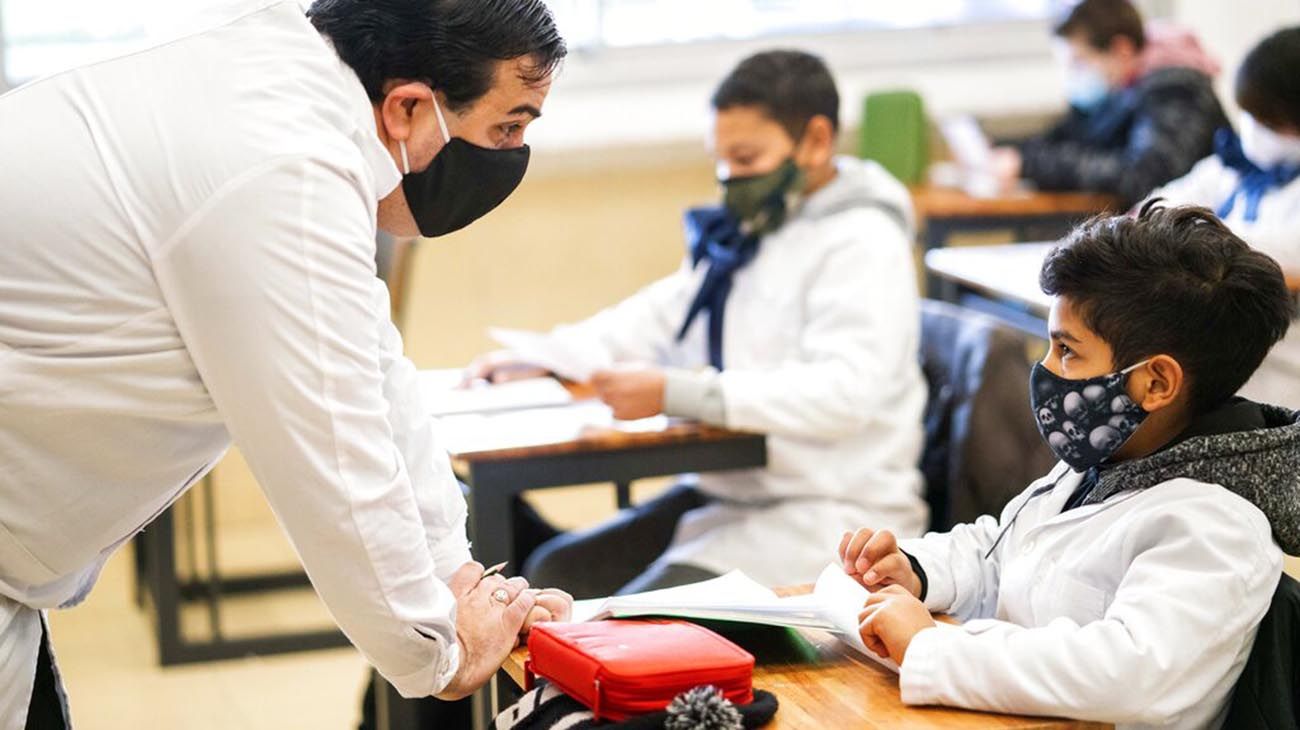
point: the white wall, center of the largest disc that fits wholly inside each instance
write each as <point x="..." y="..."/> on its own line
<point x="1229" y="28"/>
<point x="631" y="107"/>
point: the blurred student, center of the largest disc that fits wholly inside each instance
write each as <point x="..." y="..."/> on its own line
<point x="1142" y="107"/>
<point x="795" y="314"/>
<point x="1253" y="182"/>
<point x="1128" y="584"/>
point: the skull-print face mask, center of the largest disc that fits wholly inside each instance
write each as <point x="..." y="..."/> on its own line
<point x="1084" y="422"/>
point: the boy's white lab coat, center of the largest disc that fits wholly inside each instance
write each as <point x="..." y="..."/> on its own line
<point x="1140" y="610"/>
<point x="1276" y="232"/>
<point x="186" y="256"/>
<point x="820" y="350"/>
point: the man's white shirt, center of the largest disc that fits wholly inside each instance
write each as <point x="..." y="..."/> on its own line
<point x="186" y="258"/>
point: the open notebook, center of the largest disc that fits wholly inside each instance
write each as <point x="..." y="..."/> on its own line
<point x="832" y="606"/>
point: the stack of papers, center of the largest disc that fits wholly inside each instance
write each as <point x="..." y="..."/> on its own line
<point x="444" y="395"/>
<point x="465" y="433"/>
<point x="833" y="606"/>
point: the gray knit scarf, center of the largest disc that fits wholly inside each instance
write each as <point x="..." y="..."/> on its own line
<point x="1262" y="466"/>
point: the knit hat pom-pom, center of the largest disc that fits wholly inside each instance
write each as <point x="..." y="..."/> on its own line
<point x="702" y="708"/>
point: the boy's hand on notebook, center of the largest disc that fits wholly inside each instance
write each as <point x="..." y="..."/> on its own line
<point x="890" y="619"/>
<point x="872" y="558"/>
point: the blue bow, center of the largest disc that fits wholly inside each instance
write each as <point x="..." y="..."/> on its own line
<point x="1253" y="182"/>
<point x="714" y="235"/>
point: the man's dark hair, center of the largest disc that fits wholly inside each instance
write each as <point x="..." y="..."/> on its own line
<point x="790" y="87"/>
<point x="1100" y="22"/>
<point x="1268" y="81"/>
<point x="453" y="45"/>
<point x="1174" y="281"/>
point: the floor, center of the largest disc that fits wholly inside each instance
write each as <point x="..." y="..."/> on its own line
<point x="107" y="653"/>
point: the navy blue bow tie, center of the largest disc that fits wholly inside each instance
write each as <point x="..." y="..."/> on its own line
<point x="1253" y="182"/>
<point x="714" y="235"/>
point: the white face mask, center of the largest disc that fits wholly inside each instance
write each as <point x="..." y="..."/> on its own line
<point x="1085" y="87"/>
<point x="1264" y="147"/>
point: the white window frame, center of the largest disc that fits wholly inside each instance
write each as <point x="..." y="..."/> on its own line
<point x="4" y="76"/>
<point x="843" y="50"/>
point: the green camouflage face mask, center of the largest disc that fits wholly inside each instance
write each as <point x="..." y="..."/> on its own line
<point x="761" y="202"/>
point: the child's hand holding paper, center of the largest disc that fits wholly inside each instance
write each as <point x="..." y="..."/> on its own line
<point x="873" y="559"/>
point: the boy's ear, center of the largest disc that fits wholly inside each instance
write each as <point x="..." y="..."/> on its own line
<point x="817" y="147"/>
<point x="1158" y="384"/>
<point x="1121" y="46"/>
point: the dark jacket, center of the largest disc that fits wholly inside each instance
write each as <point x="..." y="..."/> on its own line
<point x="1268" y="693"/>
<point x="981" y="443"/>
<point x="1137" y="140"/>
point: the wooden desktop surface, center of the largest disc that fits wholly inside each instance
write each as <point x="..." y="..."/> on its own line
<point x="932" y="201"/>
<point x="587" y="439"/>
<point x="820" y="682"/>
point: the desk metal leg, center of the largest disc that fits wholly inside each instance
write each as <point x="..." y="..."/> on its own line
<point x="393" y="711"/>
<point x="163" y="586"/>
<point x="490" y="527"/>
<point x="490" y="520"/>
<point x="937" y="233"/>
<point x="623" y="494"/>
<point x="158" y="549"/>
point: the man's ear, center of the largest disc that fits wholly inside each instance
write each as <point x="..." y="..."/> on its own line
<point x="818" y="144"/>
<point x="398" y="108"/>
<point x="1159" y="383"/>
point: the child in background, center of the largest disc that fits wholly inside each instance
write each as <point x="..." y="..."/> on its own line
<point x="1142" y="107"/>
<point x="811" y="255"/>
<point x="1127" y="585"/>
<point x="1253" y="183"/>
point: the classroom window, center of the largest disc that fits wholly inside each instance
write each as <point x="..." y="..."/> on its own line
<point x="39" y="37"/>
<point x="627" y="23"/>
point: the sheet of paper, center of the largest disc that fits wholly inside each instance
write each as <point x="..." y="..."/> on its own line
<point x="569" y="357"/>
<point x="832" y="606"/>
<point x="587" y="609"/>
<point x="973" y="152"/>
<point x="731" y="597"/>
<point x="464" y="433"/>
<point x="470" y="432"/>
<point x="843" y="598"/>
<point x="444" y="396"/>
<point x="734" y="588"/>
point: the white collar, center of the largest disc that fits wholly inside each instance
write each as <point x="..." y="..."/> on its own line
<point x="387" y="176"/>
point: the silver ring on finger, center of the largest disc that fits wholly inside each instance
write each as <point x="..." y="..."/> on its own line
<point x="501" y="596"/>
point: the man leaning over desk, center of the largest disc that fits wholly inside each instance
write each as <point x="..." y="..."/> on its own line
<point x="187" y="258"/>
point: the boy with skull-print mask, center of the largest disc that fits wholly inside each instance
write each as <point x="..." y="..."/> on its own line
<point x="1127" y="585"/>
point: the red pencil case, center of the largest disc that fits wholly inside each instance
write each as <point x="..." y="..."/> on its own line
<point x="621" y="669"/>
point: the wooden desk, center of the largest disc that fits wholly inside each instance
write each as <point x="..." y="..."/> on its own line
<point x="944" y="211"/>
<point x="821" y="683"/>
<point x="1001" y="281"/>
<point x="583" y="447"/>
<point x="561" y="446"/>
<point x="1030" y="215"/>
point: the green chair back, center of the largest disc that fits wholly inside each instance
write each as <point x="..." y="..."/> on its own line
<point x="894" y="133"/>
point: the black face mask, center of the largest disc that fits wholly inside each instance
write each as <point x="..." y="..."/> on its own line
<point x="462" y="184"/>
